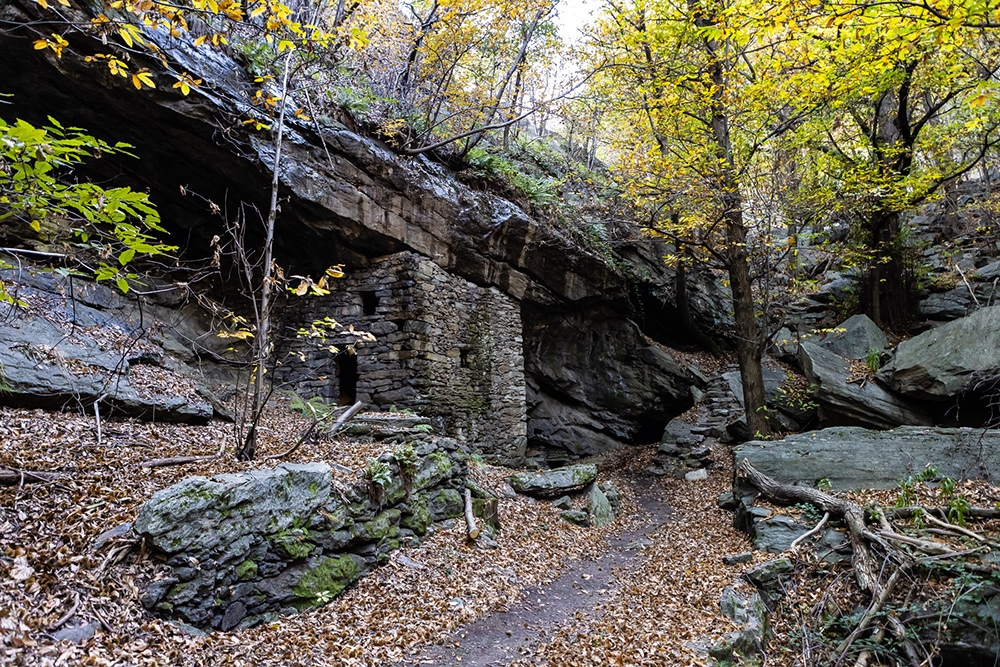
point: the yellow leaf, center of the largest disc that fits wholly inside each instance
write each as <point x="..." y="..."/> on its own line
<point x="44" y="4"/>
<point x="37" y="226"/>
<point x="41" y="44"/>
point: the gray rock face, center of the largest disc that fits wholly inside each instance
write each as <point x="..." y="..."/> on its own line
<point x="774" y="377"/>
<point x="599" y="507"/>
<point x="856" y="458"/>
<point x="859" y="335"/>
<point x="242" y="549"/>
<point x="554" y="482"/>
<point x="852" y="404"/>
<point x="199" y="514"/>
<point x="77" y="342"/>
<point x="776" y="534"/>
<point x="596" y="382"/>
<point x="941" y="363"/>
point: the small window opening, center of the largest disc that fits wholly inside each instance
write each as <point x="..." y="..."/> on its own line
<point x="347" y="376"/>
<point x="369" y="302"/>
<point x="468" y="358"/>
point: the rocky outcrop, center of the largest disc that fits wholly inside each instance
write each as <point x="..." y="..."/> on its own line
<point x="74" y="343"/>
<point x="347" y="199"/>
<point x="943" y="363"/>
<point x="855" y="337"/>
<point x="857" y="458"/>
<point x="596" y="382"/>
<point x="242" y="549"/>
<point x="852" y="403"/>
<point x="555" y="482"/>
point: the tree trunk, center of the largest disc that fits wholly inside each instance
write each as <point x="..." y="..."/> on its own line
<point x="747" y="336"/>
<point x="887" y="294"/>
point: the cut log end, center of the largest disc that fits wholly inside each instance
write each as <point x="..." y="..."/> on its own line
<point x="472" y="530"/>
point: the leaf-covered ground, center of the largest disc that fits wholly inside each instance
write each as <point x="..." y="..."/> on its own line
<point x="665" y="598"/>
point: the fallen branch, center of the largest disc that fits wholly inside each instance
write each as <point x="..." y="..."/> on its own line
<point x="873" y="609"/>
<point x="12" y="477"/>
<point x="805" y="536"/>
<point x="354" y="409"/>
<point x="470" y="519"/>
<point x="181" y="460"/>
<point x="909" y="512"/>
<point x="852" y="514"/>
<point x="69" y="614"/>
<point x="959" y="529"/>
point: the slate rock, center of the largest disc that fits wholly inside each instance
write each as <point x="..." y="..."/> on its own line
<point x="857" y="458"/>
<point x="941" y="363"/>
<point x="736" y="559"/>
<point x="854" y="337"/>
<point x="578" y="517"/>
<point x="554" y="482"/>
<point x="76" y="634"/>
<point x="766" y="575"/>
<point x="599" y="507"/>
<point x="843" y="403"/>
<point x="726" y="501"/>
<point x="749" y="612"/>
<point x="563" y="503"/>
<point x="696" y="475"/>
<point x="199" y="514"/>
<point x="614" y="496"/>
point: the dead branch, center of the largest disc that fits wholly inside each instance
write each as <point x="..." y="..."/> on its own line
<point x="805" y="536"/>
<point x="14" y="477"/>
<point x="181" y="460"/>
<point x="470" y="519"/>
<point x="69" y="614"/>
<point x="878" y="601"/>
<point x="927" y="546"/>
<point x="958" y="529"/>
<point x="355" y="409"/>
<point x="908" y="512"/>
<point x="852" y="514"/>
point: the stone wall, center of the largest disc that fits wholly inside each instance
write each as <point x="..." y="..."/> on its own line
<point x="443" y="347"/>
<point x="243" y="549"/>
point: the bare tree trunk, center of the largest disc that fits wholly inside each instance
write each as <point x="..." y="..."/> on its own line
<point x="262" y="343"/>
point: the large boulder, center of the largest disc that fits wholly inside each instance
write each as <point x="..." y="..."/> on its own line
<point x="857" y="458"/>
<point x="555" y="482"/>
<point x="596" y="382"/>
<point x="73" y="342"/>
<point x="854" y="337"/>
<point x="242" y="549"/>
<point x="199" y="514"/>
<point x="942" y="363"/>
<point x="849" y="403"/>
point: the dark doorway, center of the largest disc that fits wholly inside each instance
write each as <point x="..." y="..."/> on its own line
<point x="369" y="302"/>
<point x="347" y="375"/>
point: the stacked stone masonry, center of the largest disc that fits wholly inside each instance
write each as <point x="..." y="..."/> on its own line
<point x="244" y="549"/>
<point x="444" y="347"/>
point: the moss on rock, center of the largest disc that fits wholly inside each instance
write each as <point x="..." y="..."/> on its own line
<point x="328" y="578"/>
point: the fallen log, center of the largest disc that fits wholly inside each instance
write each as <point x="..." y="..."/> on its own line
<point x="850" y="513"/>
<point x="470" y="520"/>
<point x="13" y="477"/>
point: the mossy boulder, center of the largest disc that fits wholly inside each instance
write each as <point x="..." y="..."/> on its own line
<point x="383" y="526"/>
<point x="555" y="482"/>
<point x="200" y="514"/>
<point x="328" y="578"/>
<point x="431" y="471"/>
<point x="417" y="516"/>
<point x="445" y="504"/>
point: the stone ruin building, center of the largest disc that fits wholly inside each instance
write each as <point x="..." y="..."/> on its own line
<point x="444" y="347"/>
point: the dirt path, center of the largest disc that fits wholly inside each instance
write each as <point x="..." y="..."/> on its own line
<point x="584" y="586"/>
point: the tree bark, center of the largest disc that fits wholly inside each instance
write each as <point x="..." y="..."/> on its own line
<point x="472" y="530"/>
